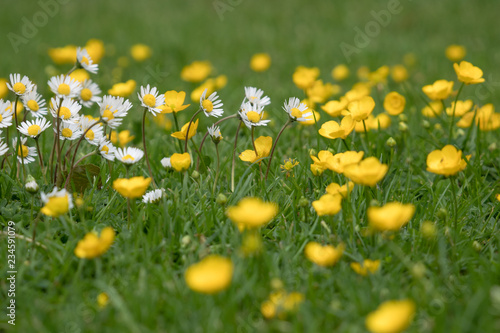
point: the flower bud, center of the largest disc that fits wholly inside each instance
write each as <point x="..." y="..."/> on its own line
<point x="403" y="127"/>
<point x="390" y="142"/>
<point x="442" y="213"/>
<point x="31" y="186"/>
<point x="195" y="174"/>
<point x="492" y="146"/>
<point x="428" y="229"/>
<point x="477" y="246"/>
<point x="185" y="241"/>
<point x="221" y="199"/>
<point x="426" y="124"/>
<point x="403" y="117"/>
<point x="313" y="152"/>
<point x="303" y="202"/>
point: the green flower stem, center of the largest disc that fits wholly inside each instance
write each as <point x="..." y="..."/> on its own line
<point x="218" y="170"/>
<point x="19" y="144"/>
<point x="177" y="129"/>
<point x="145" y="147"/>
<point x="189" y="126"/>
<point x="274" y="146"/>
<point x="455" y="206"/>
<point x="453" y="114"/>
<point x="234" y="153"/>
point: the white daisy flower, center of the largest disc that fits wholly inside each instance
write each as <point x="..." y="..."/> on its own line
<point x="214" y="132"/>
<point x="107" y="150"/>
<point x="19" y="86"/>
<point x="295" y="109"/>
<point x="33" y="128"/>
<point x="57" y="193"/>
<point x="212" y="106"/>
<point x="93" y="135"/>
<point x="151" y="99"/>
<point x="67" y="108"/>
<point x="88" y="94"/>
<point x="6" y="113"/>
<point x="252" y="115"/>
<point x="25" y="154"/>
<point x="113" y="110"/>
<point x="3" y="148"/>
<point x="254" y="96"/>
<point x="153" y="196"/>
<point x="129" y="155"/>
<point x="69" y="131"/>
<point x="84" y="60"/>
<point x="165" y="162"/>
<point x="65" y="86"/>
<point x="34" y="102"/>
<point x="31" y="186"/>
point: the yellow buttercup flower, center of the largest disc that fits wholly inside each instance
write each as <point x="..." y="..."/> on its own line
<point x="220" y="82"/>
<point x="455" y="52"/>
<point x="63" y="55"/>
<point x="102" y="300"/>
<point x="260" y="62"/>
<point x="399" y="73"/>
<point x="391" y="317"/>
<point x="181" y="135"/>
<point x="280" y="303"/>
<point x="358" y="91"/>
<point x="498" y="197"/>
<point x="335" y="108"/>
<point x="366" y="267"/>
<point x="174" y="101"/>
<point x="263" y="144"/>
<point x="92" y="246"/>
<point x="211" y="275"/>
<point x="140" y="52"/>
<point x="132" y="188"/>
<point x="332" y="130"/>
<point x="197" y="71"/>
<point x="341" y="160"/>
<point x="304" y="77"/>
<point x="379" y="75"/>
<point x="434" y="109"/>
<point x="4" y="90"/>
<point x="80" y="75"/>
<point x="439" y="90"/>
<point x="343" y="190"/>
<point x="123" y="89"/>
<point x="321" y="162"/>
<point x="319" y="92"/>
<point x="390" y="217"/>
<point x="180" y="162"/>
<point x="361" y="108"/>
<point x="381" y="121"/>
<point x="468" y="73"/>
<point x="324" y="255"/>
<point x="251" y="213"/>
<point x="340" y="72"/>
<point x="96" y="50"/>
<point x="367" y="172"/>
<point x="462" y="108"/>
<point x="447" y="161"/>
<point x="328" y="204"/>
<point x="124" y="137"/>
<point x="56" y="203"/>
<point x="485" y="117"/>
<point x="209" y="85"/>
<point x="394" y="103"/>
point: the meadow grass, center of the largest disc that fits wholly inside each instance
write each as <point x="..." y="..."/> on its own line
<point x="453" y="276"/>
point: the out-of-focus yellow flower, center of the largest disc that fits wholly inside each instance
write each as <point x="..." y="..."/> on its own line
<point x="319" y="92"/>
<point x="96" y="50"/>
<point x="439" y="90"/>
<point x="281" y="303"/>
<point x="80" y="75"/>
<point x="462" y="108"/>
<point x="363" y="72"/>
<point x="209" y="85"/>
<point x="251" y="244"/>
<point x="123" y="89"/>
<point x="358" y="91"/>
<point x="391" y="317"/>
<point x="367" y="172"/>
<point x="343" y="190"/>
<point x="324" y="255"/>
<point x="174" y="101"/>
<point x="391" y="217"/>
<point x="64" y="55"/>
<point x="361" y="108"/>
<point x="3" y="88"/>
<point x="333" y="130"/>
<point x="339" y="161"/>
<point x="162" y="121"/>
<point x="498" y="197"/>
<point x="304" y="77"/>
<point x="335" y="108"/>
<point x="340" y="72"/>
<point x="252" y="213"/>
<point x="180" y="162"/>
<point x="468" y="73"/>
<point x="181" y="135"/>
<point x="328" y="204"/>
<point x="379" y="75"/>
<point x="263" y="144"/>
<point x="455" y="52"/>
<point x="447" y="161"/>
<point x="131" y="188"/>
<point x="260" y="62"/>
<point x="196" y="71"/>
<point x="399" y="73"/>
<point x="486" y="118"/>
<point x="428" y="229"/>
<point x="113" y="137"/>
<point x="92" y="246"/>
<point x="102" y="300"/>
<point x="220" y="82"/>
<point x="211" y="275"/>
<point x="434" y="109"/>
<point x="140" y="52"/>
<point x="381" y="121"/>
<point x="321" y="162"/>
<point x="366" y="267"/>
<point x="124" y="137"/>
<point x="394" y="103"/>
<point x="57" y="203"/>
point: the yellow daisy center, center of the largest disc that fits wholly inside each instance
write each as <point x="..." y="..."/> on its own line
<point x="64" y="112"/>
<point x="33" y="130"/>
<point x="19" y="88"/>
<point x="67" y="133"/>
<point x="128" y="157"/>
<point x="108" y="114"/>
<point x="149" y="100"/>
<point x="105" y="149"/>
<point x="64" y="89"/>
<point x="296" y="113"/>
<point x="207" y="105"/>
<point x="86" y="94"/>
<point x="23" y="151"/>
<point x="90" y="135"/>
<point x="253" y="116"/>
<point x="85" y="60"/>
<point x="1" y="118"/>
<point x="33" y="105"/>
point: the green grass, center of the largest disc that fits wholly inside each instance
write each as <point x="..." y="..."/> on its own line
<point x="143" y="270"/>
